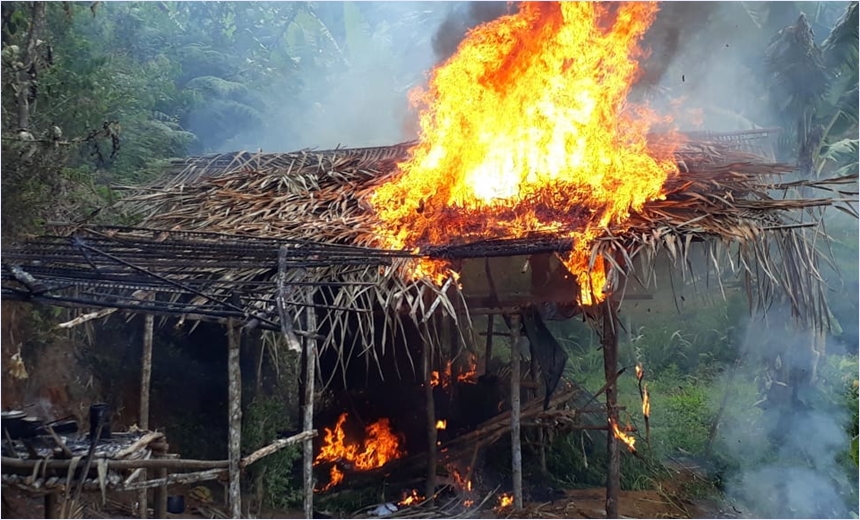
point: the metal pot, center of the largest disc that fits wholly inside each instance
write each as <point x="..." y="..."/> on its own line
<point x="176" y="504"/>
<point x="100" y="414"/>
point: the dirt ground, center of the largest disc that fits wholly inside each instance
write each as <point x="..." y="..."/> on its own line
<point x="581" y="503"/>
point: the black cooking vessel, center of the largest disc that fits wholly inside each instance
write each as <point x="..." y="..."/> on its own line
<point x="100" y="414"/>
<point x="176" y="504"/>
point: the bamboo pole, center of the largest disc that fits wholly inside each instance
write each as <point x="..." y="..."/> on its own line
<point x="308" y="422"/>
<point x="145" y="380"/>
<point x="430" y="406"/>
<point x="609" y="341"/>
<point x="516" y="445"/>
<point x="234" y="446"/>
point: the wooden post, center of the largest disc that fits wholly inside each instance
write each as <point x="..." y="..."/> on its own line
<point x="308" y="420"/>
<point x="234" y="446"/>
<point x="145" y="379"/>
<point x="609" y="341"/>
<point x="488" y="355"/>
<point x="52" y="505"/>
<point x="539" y="430"/>
<point x="430" y="405"/>
<point x="516" y="444"/>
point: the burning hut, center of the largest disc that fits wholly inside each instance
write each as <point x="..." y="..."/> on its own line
<point x="383" y="254"/>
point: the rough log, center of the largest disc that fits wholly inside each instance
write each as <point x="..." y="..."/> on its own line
<point x="139" y="444"/>
<point x="275" y="447"/>
<point x="179" y="478"/>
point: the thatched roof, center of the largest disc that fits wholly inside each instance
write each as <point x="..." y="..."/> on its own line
<point x="731" y="200"/>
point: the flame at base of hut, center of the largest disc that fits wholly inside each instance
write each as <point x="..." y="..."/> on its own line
<point x="379" y="446"/>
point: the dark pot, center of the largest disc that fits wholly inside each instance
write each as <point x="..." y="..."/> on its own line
<point x="100" y="414"/>
<point x="13" y="423"/>
<point x="176" y="504"/>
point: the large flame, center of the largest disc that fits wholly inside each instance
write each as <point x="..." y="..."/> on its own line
<point x="526" y="130"/>
<point x="380" y="446"/>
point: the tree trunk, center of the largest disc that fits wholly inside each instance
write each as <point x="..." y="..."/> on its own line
<point x="28" y="59"/>
<point x="516" y="445"/>
<point x="234" y="447"/>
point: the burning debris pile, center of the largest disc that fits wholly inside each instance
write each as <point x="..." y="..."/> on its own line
<point x="379" y="446"/>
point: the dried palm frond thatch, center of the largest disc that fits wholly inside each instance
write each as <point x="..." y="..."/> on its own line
<point x="314" y="203"/>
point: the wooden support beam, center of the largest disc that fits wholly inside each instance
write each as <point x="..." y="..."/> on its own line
<point x="308" y="419"/>
<point x="145" y="379"/>
<point x="516" y="445"/>
<point x="160" y="497"/>
<point x="430" y="406"/>
<point x="609" y="341"/>
<point x="488" y="354"/>
<point x="52" y="505"/>
<point x="234" y="441"/>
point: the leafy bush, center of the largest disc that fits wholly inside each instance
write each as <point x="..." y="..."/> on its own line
<point x="263" y="421"/>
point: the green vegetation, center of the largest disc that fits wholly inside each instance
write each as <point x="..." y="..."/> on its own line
<point x="264" y="421"/>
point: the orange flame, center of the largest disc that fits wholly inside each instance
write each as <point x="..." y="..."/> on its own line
<point x="505" y="500"/>
<point x="462" y="482"/>
<point x="471" y="373"/>
<point x="441" y="424"/>
<point x="380" y="446"/>
<point x="646" y="402"/>
<point x="434" y="378"/>
<point x="411" y="498"/>
<point x="640" y="372"/>
<point x="526" y="130"/>
<point x="629" y="440"/>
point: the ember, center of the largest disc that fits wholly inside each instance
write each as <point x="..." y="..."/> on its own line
<point x="443" y="379"/>
<point x="411" y="498"/>
<point x="526" y="131"/>
<point x="380" y="446"/>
